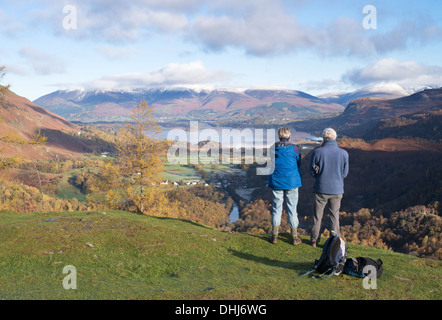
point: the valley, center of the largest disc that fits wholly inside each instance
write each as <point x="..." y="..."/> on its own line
<point x="388" y="176"/>
<point x="138" y="140"/>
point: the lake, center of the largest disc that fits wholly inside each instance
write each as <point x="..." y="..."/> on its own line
<point x="234" y="214"/>
<point x="228" y="136"/>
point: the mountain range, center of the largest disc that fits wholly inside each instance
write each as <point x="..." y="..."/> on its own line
<point x="220" y="103"/>
<point x="417" y="115"/>
<point x="101" y="105"/>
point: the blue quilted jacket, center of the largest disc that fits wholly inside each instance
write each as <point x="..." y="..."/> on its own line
<point x="286" y="159"/>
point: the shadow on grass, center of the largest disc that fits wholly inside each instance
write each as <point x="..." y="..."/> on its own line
<point x="300" y="267"/>
<point x="196" y="224"/>
<point x="282" y="237"/>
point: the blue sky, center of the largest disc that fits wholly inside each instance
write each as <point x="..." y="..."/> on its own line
<point x="315" y="46"/>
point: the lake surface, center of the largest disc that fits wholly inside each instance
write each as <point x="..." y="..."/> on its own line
<point x="228" y="136"/>
<point x="234" y="214"/>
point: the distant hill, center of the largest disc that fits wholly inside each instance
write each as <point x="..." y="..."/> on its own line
<point x="102" y="105"/>
<point x="21" y="120"/>
<point x="418" y="115"/>
<point x="383" y="91"/>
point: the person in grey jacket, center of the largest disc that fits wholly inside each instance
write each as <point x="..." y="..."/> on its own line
<point x="329" y="165"/>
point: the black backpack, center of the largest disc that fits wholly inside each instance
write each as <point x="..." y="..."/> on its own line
<point x="355" y="267"/>
<point x="333" y="257"/>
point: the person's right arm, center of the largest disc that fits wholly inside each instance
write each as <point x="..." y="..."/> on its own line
<point x="314" y="168"/>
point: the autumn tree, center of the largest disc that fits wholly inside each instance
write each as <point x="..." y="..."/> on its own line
<point x="139" y="158"/>
<point x="39" y="138"/>
<point x="103" y="187"/>
<point x="2" y="74"/>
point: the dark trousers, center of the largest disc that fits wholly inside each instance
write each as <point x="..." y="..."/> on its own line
<point x="321" y="201"/>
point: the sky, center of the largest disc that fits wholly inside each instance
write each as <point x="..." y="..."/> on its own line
<point x="317" y="46"/>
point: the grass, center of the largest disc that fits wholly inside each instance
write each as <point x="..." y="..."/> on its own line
<point x="177" y="172"/>
<point x="121" y="255"/>
<point x="67" y="190"/>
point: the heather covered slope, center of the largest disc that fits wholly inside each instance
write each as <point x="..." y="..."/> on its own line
<point x="418" y="115"/>
<point x="23" y="123"/>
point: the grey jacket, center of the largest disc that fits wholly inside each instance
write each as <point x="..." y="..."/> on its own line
<point x="329" y="165"/>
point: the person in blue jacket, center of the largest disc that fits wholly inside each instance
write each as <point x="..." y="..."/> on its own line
<point x="329" y="166"/>
<point x="285" y="181"/>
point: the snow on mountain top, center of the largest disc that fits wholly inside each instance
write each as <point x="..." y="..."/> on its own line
<point x="195" y="88"/>
<point x="388" y="87"/>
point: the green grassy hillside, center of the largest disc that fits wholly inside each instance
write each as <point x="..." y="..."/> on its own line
<point x="121" y="255"/>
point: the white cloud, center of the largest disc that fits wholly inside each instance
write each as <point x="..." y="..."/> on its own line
<point x="117" y="21"/>
<point x="15" y="69"/>
<point x="263" y="31"/>
<point x="343" y="36"/>
<point x="173" y="74"/>
<point x="408" y="74"/>
<point x="267" y="28"/>
<point x="259" y="27"/>
<point x="42" y="62"/>
<point x="10" y="25"/>
<point x="406" y="34"/>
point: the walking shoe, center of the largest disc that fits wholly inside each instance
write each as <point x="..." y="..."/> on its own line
<point x="273" y="239"/>
<point x="313" y="243"/>
<point x="297" y="241"/>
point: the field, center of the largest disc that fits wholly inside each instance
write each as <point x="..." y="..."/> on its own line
<point x="186" y="173"/>
<point x="122" y="255"/>
<point x="67" y="190"/>
<point x="177" y="172"/>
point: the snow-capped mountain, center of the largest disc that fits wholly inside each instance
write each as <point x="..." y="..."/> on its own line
<point x="209" y="102"/>
<point x="108" y="105"/>
<point x="381" y="90"/>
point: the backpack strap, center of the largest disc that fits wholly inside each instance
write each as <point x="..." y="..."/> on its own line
<point x="331" y="274"/>
<point x="320" y="276"/>
<point x="308" y="272"/>
<point x="323" y="256"/>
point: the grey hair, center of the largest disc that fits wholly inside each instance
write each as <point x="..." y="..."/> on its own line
<point x="329" y="134"/>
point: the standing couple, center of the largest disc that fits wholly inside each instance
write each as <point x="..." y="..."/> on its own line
<point x="329" y="166"/>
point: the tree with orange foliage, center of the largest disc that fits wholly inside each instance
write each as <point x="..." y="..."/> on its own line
<point x="2" y="74"/>
<point x="140" y="160"/>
